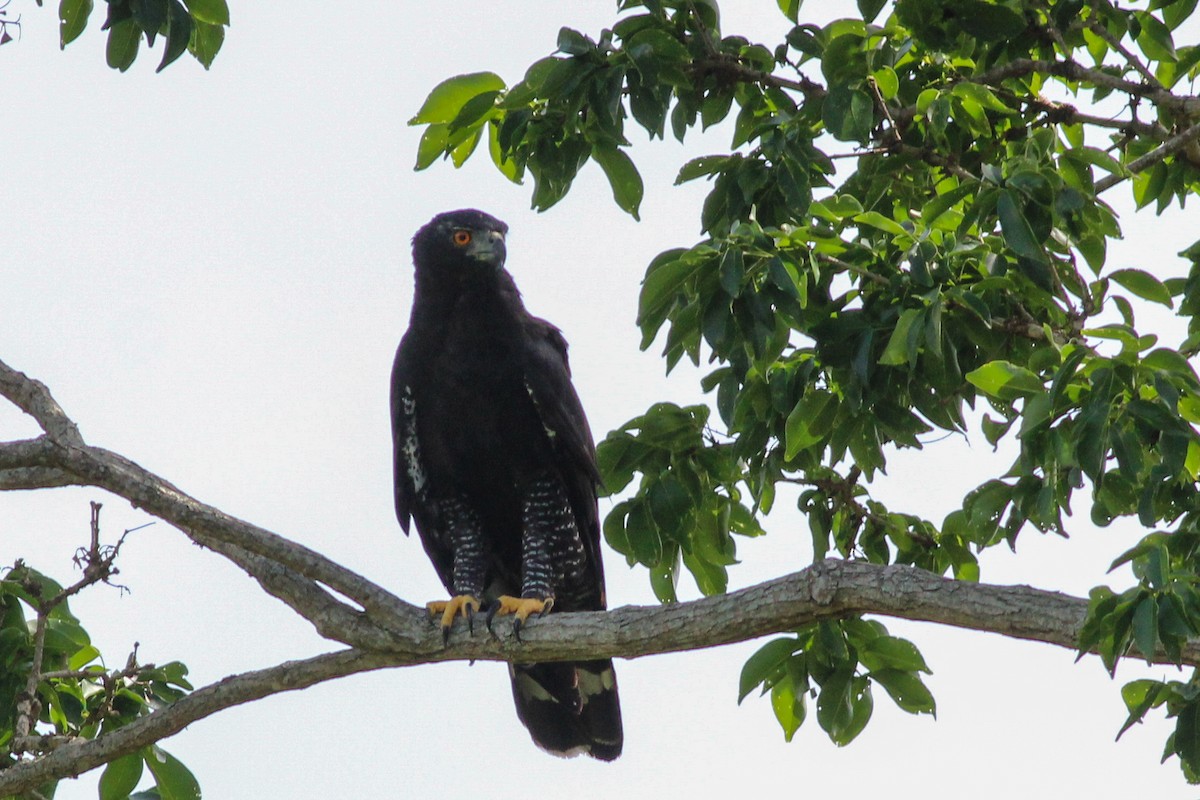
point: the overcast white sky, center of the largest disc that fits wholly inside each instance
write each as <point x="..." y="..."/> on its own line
<point x="211" y="272"/>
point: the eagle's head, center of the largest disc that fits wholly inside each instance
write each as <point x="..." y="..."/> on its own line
<point x="462" y="240"/>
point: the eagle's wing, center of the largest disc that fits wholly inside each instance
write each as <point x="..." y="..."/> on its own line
<point x="548" y="381"/>
<point x="410" y="479"/>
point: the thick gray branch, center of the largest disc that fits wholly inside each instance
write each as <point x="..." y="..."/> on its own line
<point x="32" y="397"/>
<point x="829" y="589"/>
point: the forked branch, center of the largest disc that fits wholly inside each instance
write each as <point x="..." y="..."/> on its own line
<point x="384" y="631"/>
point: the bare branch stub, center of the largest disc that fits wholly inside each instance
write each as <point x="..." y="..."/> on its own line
<point x="97" y="563"/>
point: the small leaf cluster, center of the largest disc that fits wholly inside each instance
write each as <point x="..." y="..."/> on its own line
<point x="191" y="26"/>
<point x="77" y="696"/>
<point x="835" y="663"/>
<point x="1160" y="613"/>
<point x="688" y="506"/>
<point x="1181" y="700"/>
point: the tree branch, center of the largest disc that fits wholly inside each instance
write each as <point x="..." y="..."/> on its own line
<point x="77" y="757"/>
<point x="1170" y="147"/>
<point x="389" y="632"/>
<point x="1129" y="57"/>
<point x="1073" y="71"/>
<point x="34" y="399"/>
<point x="827" y="590"/>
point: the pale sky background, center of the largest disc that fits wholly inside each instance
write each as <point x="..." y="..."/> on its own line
<point x="211" y="272"/>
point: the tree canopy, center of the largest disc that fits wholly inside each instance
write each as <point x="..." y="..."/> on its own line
<point x="907" y="235"/>
<point x="905" y="238"/>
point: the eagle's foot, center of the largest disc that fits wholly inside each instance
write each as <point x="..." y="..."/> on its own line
<point x="522" y="608"/>
<point x="461" y="605"/>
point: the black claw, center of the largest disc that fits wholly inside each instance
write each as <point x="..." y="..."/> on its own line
<point x="470" y="619"/>
<point x="517" y="628"/>
<point x="445" y="635"/>
<point x="491" y="613"/>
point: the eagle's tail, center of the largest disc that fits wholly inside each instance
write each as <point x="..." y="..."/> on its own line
<point x="571" y="707"/>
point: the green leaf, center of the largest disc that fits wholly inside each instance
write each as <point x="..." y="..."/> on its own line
<point x="1098" y="158"/>
<point x="206" y="42"/>
<point x="876" y="220"/>
<point x="1018" y="234"/>
<point x="663" y="580"/>
<point x="1144" y="285"/>
<point x="72" y="19"/>
<point x="448" y="97"/>
<point x="907" y="690"/>
<point x="1145" y="626"/>
<point x="790" y="8"/>
<point x="433" y="143"/>
<point x="990" y="22"/>
<point x="152" y="16"/>
<point x="121" y="777"/>
<point x="82" y="657"/>
<point x="701" y="167"/>
<point x="1168" y="360"/>
<point x="123" y="41"/>
<point x="896" y="352"/>
<point x="1006" y="381"/>
<point x="645" y="539"/>
<point x="886" y="82"/>
<point x="666" y="276"/>
<point x="835" y="707"/>
<point x="861" y="707"/>
<point x="623" y="177"/>
<point x="614" y="530"/>
<point x="766" y="661"/>
<point x="174" y="780"/>
<point x="463" y="150"/>
<point x="1139" y="696"/>
<point x="981" y="95"/>
<point x="214" y="12"/>
<point x="574" y="43"/>
<point x="1155" y="38"/>
<point x="179" y="33"/>
<point x="809" y="421"/>
<point x="848" y="114"/>
<point x="789" y="709"/>
<point x="870" y="9"/>
<point x="507" y="166"/>
<point x="894" y="653"/>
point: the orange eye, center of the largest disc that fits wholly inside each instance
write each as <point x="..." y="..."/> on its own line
<point x="461" y="238"/>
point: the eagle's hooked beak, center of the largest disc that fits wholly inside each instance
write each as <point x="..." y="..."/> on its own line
<point x="488" y="248"/>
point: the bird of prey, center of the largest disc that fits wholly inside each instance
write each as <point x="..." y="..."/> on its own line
<point x="495" y="463"/>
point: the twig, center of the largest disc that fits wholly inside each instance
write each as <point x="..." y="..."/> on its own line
<point x="97" y="563"/>
<point x="853" y="268"/>
<point x="1133" y="60"/>
<point x="937" y="160"/>
<point x="1170" y="147"/>
<point x="893" y="134"/>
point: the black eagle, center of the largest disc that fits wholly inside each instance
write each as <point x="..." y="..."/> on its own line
<point x="495" y="462"/>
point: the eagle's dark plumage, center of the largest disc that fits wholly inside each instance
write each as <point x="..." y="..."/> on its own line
<point x="495" y="463"/>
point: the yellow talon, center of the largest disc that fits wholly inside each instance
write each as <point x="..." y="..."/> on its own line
<point x="463" y="605"/>
<point x="523" y="607"/>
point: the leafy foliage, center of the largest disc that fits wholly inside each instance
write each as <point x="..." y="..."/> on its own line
<point x="906" y="236"/>
<point x="76" y="695"/>
<point x="835" y="663"/>
<point x="193" y="26"/>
